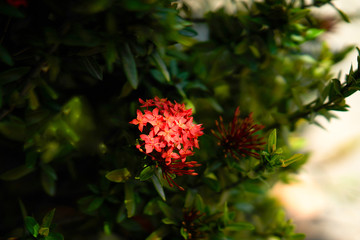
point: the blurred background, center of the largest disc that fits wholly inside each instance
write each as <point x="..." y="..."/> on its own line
<point x="324" y="199"/>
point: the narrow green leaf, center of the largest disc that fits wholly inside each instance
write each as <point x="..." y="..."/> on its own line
<point x="158" y="234"/>
<point x="14" y="130"/>
<point x="342" y="14"/>
<point x="118" y="175"/>
<point x="48" y="183"/>
<point x="90" y="203"/>
<point x="16" y="173"/>
<point x="110" y="56"/>
<point x="5" y="56"/>
<point x="130" y="200"/>
<point x="92" y="67"/>
<point x="158" y="186"/>
<point x="296" y="157"/>
<point x="95" y="203"/>
<point x="199" y="203"/>
<point x="160" y="65"/>
<point x="32" y="226"/>
<point x="272" y="141"/>
<point x="337" y="86"/>
<point x="168" y="221"/>
<point x="239" y="226"/>
<point x="298" y="14"/>
<point x="146" y="173"/>
<point x="225" y="217"/>
<point x="188" y="32"/>
<point x="129" y="66"/>
<point x="49" y="171"/>
<point x="47" y="219"/>
<point x="298" y="236"/>
<point x="167" y="210"/>
<point x="13" y="74"/>
<point x="54" y="236"/>
<point x="22" y="208"/>
<point x="313" y="33"/>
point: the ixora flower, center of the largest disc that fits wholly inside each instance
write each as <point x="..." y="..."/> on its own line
<point x="169" y="136"/>
<point x="239" y="138"/>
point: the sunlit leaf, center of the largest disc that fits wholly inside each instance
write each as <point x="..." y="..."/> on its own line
<point x="146" y="173"/>
<point x="239" y="226"/>
<point x="32" y="226"/>
<point x="272" y="141"/>
<point x="118" y="175"/>
<point x="46" y="223"/>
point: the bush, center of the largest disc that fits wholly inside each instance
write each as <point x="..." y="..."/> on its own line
<point x="116" y="115"/>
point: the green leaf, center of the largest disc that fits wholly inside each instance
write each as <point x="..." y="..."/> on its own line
<point x="130" y="199"/>
<point x="341" y="13"/>
<point x="158" y="234"/>
<point x="13" y="74"/>
<point x="32" y="226"/>
<point x="48" y="183"/>
<point x="5" y="56"/>
<point x="90" y="203"/>
<point x="313" y="33"/>
<point x="272" y="141"/>
<point x="46" y="221"/>
<point x="129" y="66"/>
<point x="168" y="221"/>
<point x="168" y="211"/>
<point x="14" y="130"/>
<point x="31" y="159"/>
<point x="337" y="86"/>
<point x="54" y="236"/>
<point x="212" y="183"/>
<point x="16" y="173"/>
<point x="225" y="217"/>
<point x="199" y="203"/>
<point x="118" y="175"/>
<point x="298" y="14"/>
<point x="49" y="171"/>
<point x="188" y="31"/>
<point x="296" y="157"/>
<point x="147" y="173"/>
<point x="239" y="226"/>
<point x="160" y="65"/>
<point x="92" y="67"/>
<point x="297" y="236"/>
<point x="110" y="56"/>
<point x="158" y="186"/>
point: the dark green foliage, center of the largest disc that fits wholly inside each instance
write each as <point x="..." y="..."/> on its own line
<point x="71" y="73"/>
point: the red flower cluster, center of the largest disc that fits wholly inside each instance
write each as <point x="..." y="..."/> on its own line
<point x="17" y="3"/>
<point x="239" y="138"/>
<point x="170" y="136"/>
